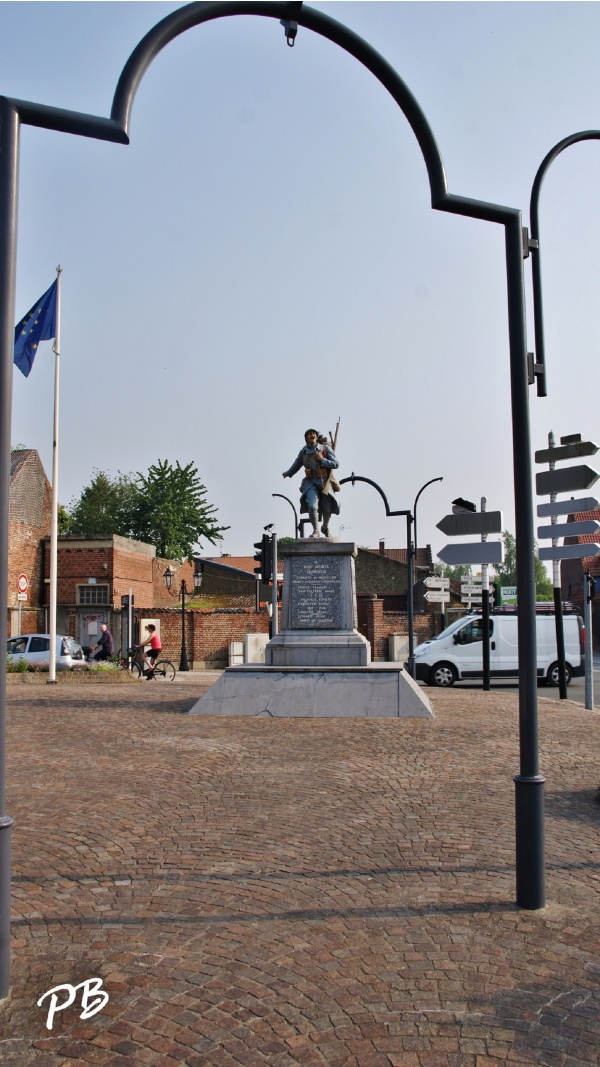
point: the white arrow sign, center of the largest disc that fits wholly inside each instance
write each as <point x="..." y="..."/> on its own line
<point x="470" y="587"/>
<point x="435" y="582"/>
<point x="569" y="551"/>
<point x="567" y="507"/>
<point x="437" y="597"/>
<point x="569" y="529"/>
<point x="473" y="552"/>
<point x="471" y="599"/>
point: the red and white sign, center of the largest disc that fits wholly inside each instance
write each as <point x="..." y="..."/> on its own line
<point x="22" y="583"/>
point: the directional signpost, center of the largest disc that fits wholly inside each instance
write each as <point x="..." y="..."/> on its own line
<point x="438" y="591"/>
<point x="566" y="480"/>
<point x="465" y="521"/>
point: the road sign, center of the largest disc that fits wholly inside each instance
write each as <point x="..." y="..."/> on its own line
<point x="470" y="587"/>
<point x="467" y="524"/>
<point x="435" y="582"/>
<point x="437" y="596"/>
<point x="508" y="594"/>
<point x="21" y="596"/>
<point x="567" y="507"/>
<point x="565" y="480"/>
<point x="471" y="599"/>
<point x="569" y="529"/>
<point x="569" y="551"/>
<point x="22" y="583"/>
<point x="573" y="451"/>
<point x="473" y="552"/>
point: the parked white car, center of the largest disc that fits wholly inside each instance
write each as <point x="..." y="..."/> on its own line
<point x="35" y="648"/>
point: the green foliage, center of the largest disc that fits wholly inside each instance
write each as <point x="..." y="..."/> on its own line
<point x="171" y="511"/>
<point x="462" y="570"/>
<point x="286" y="540"/>
<point x="507" y="573"/>
<point x="18" y="666"/>
<point x="104" y="507"/>
<point x="167" y="508"/>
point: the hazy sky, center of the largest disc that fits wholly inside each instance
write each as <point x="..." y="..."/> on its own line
<point x="263" y="256"/>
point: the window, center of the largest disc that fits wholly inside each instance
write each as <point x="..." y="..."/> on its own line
<point x="39" y="644"/>
<point x="471" y="633"/>
<point x="17" y="646"/>
<point x="92" y="594"/>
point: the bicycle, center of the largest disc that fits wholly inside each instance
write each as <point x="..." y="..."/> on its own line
<point x="163" y="670"/>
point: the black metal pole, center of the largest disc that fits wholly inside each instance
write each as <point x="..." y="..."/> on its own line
<point x="536" y="263"/>
<point x="183" y="660"/>
<point x="529" y="783"/>
<point x="293" y="509"/>
<point x="485" y="623"/>
<point x="9" y="169"/>
<point x="410" y="596"/>
<point x="560" y="643"/>
<point x="430" y="482"/>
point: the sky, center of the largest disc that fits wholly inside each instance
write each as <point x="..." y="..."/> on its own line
<point x="263" y="256"/>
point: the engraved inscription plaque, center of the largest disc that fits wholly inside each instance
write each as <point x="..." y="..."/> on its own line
<point x="316" y="593"/>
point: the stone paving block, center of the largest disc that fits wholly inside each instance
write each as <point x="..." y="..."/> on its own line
<point x="297" y="891"/>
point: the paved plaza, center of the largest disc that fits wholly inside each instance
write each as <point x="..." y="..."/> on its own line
<point x="321" y="892"/>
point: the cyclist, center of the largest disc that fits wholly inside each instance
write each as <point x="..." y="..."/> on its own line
<point x="153" y="652"/>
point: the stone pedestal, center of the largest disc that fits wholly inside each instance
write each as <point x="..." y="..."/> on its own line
<point x="318" y="618"/>
<point x="319" y="665"/>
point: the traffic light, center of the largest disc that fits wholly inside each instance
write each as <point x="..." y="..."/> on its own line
<point x="265" y="557"/>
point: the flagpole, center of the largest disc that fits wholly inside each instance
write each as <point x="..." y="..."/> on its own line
<point x="54" y="507"/>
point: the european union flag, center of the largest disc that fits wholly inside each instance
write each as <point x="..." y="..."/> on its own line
<point x="37" y="325"/>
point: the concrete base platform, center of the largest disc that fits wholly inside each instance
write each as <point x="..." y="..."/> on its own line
<point x="326" y="648"/>
<point x="379" y="691"/>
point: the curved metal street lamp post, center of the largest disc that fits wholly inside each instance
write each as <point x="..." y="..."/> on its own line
<point x="430" y="482"/>
<point x="293" y="509"/>
<point x="14" y="113"/>
<point x="182" y="592"/>
<point x="539" y="368"/>
<point x="410" y="610"/>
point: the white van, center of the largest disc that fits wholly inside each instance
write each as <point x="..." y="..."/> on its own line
<point x="456" y="653"/>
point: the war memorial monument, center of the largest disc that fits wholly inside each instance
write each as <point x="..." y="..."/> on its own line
<point x="318" y="665"/>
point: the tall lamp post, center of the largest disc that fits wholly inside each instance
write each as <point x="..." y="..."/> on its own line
<point x="410" y="580"/>
<point x="293" y="509"/>
<point x="183" y="592"/>
<point x="430" y="482"/>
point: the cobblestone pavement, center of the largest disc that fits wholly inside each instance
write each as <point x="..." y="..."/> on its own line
<point x="335" y="892"/>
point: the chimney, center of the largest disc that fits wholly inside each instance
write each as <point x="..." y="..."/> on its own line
<point x="382" y="548"/>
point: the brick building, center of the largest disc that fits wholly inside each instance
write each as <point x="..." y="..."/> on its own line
<point x="29" y="521"/>
<point x="93" y="575"/>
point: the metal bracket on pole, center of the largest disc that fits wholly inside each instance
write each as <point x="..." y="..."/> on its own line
<point x="290" y="24"/>
<point x="534" y="370"/>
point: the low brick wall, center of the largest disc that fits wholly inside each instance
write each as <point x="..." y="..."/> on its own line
<point x="380" y="624"/>
<point x="207" y="633"/>
<point x="73" y="678"/>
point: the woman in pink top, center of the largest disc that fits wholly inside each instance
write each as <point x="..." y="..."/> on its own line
<point x="155" y="647"/>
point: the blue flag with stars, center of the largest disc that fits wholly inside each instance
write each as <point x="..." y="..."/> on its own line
<point x="37" y="325"/>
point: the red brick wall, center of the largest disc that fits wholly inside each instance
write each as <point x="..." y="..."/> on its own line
<point x="25" y="552"/>
<point x="381" y="624"/>
<point x="208" y="633"/>
<point x="77" y="563"/>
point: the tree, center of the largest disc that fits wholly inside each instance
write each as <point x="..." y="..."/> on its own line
<point x="167" y="508"/>
<point x="171" y="511"/>
<point x="507" y="573"/>
<point x="104" y="508"/>
<point x="462" y="570"/>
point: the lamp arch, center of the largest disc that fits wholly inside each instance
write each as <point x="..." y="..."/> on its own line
<point x="14" y="113"/>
